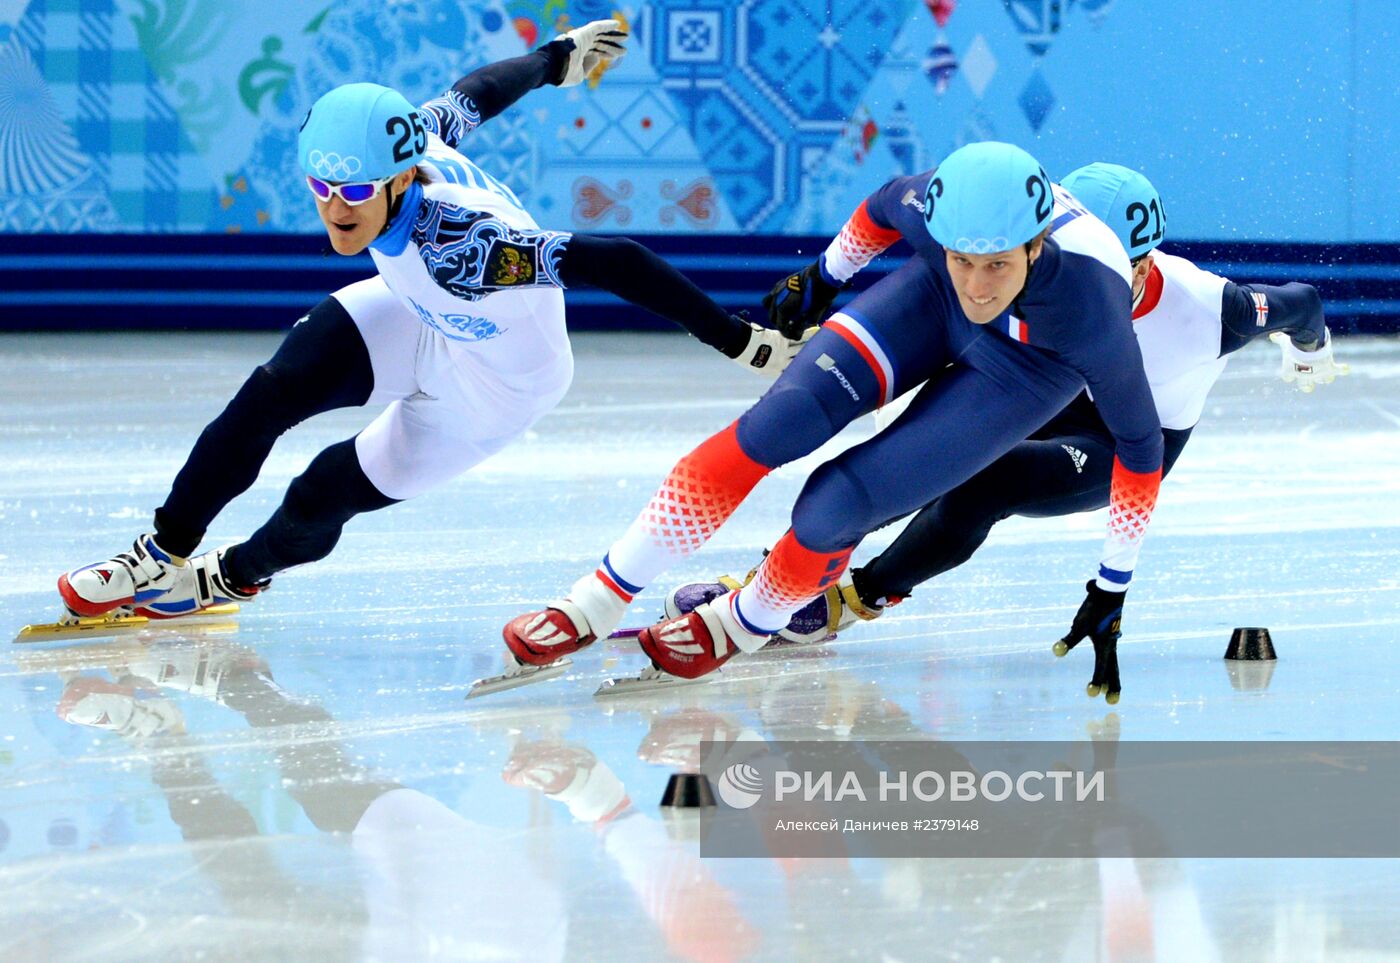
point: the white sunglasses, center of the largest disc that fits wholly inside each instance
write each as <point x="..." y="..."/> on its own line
<point x="352" y="194"/>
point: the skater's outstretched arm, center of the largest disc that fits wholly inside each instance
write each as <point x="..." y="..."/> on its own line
<point x="489" y="90"/>
<point x="1291" y="315"/>
<point x="475" y="253"/>
<point x="1249" y="311"/>
<point x="630" y="271"/>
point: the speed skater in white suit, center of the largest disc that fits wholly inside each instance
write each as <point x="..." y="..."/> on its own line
<point x="461" y="332"/>
<point x="1188" y="322"/>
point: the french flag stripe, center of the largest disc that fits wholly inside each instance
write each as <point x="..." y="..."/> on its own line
<point x="739" y="617"/>
<point x="625" y="590"/>
<point x="1017" y="329"/>
<point x="869" y="348"/>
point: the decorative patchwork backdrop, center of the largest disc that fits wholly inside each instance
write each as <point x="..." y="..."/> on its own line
<point x="752" y="116"/>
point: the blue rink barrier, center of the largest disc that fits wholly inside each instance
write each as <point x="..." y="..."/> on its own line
<point x="265" y="282"/>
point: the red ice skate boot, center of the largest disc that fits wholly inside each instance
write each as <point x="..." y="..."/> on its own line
<point x="590" y="611"/>
<point x="700" y="641"/>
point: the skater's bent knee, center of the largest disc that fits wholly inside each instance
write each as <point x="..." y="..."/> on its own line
<point x="269" y="400"/>
<point x="790" y="421"/>
<point x="834" y="510"/>
<point x="334" y="487"/>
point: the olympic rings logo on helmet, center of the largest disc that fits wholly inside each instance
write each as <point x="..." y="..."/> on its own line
<point x="982" y="245"/>
<point x="333" y="167"/>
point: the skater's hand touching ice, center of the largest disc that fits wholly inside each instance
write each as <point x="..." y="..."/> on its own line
<point x="1100" y="620"/>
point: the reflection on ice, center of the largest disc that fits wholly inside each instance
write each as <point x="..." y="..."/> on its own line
<point x="306" y="782"/>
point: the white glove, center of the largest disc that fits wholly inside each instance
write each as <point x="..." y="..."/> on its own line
<point x="1308" y="369"/>
<point x="768" y="352"/>
<point x="594" y="43"/>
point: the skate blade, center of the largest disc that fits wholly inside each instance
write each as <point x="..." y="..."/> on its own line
<point x="227" y="608"/>
<point x="516" y="677"/>
<point x="76" y="627"/>
<point x="623" y="640"/>
<point x="79" y="627"/>
<point x="648" y="681"/>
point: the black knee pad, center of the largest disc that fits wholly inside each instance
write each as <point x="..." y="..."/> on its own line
<point x="321" y="364"/>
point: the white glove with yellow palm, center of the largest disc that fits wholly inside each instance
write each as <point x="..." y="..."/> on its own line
<point x="594" y="43"/>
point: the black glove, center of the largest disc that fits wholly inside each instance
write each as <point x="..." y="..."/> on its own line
<point x="1100" y="619"/>
<point x="799" y="301"/>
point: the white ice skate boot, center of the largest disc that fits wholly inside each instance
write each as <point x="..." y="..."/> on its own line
<point x="198" y="585"/>
<point x="131" y="578"/>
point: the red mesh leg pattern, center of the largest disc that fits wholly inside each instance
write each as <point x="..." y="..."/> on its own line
<point x="1132" y="497"/>
<point x="789" y="578"/>
<point x="697" y="497"/>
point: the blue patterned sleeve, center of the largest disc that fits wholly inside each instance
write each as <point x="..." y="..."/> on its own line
<point x="488" y="90"/>
<point x="471" y="254"/>
<point x="451" y="116"/>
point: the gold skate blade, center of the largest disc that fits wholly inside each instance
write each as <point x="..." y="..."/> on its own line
<point x="80" y="627"/>
<point x="516" y="677"/>
<point x="647" y="682"/>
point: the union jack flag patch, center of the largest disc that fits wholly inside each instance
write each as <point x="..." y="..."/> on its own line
<point x="1261" y="309"/>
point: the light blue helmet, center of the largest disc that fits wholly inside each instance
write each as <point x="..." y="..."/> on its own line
<point x="986" y="198"/>
<point x="1124" y="200"/>
<point x="360" y="132"/>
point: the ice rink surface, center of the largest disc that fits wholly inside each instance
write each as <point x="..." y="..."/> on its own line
<point x="311" y="784"/>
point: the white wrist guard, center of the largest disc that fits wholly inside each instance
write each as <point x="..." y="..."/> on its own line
<point x="768" y="352"/>
<point x="1308" y="369"/>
